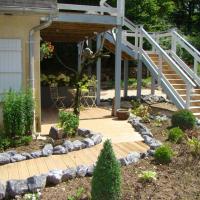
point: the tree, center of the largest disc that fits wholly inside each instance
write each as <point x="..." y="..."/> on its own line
<point x="106" y="182"/>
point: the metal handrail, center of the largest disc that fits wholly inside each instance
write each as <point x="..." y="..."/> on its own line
<point x="167" y="58"/>
<point x="186" y="43"/>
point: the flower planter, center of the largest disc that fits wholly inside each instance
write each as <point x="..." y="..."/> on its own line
<point x="123" y="114"/>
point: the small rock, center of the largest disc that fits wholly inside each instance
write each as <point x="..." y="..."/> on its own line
<point x="77" y="145"/>
<point x="153" y="143"/>
<point x="2" y="190"/>
<point x="69" y="174"/>
<point x="56" y="133"/>
<point x="11" y="152"/>
<point x="90" y="170"/>
<point x="27" y="155"/>
<point x="81" y="171"/>
<point x="151" y="152"/>
<point x="37" y="182"/>
<point x="88" y="142"/>
<point x="54" y="177"/>
<point x="36" y="154"/>
<point x="47" y="150"/>
<point x="83" y="132"/>
<point x="17" y="187"/>
<point x="59" y="150"/>
<point x="17" y="158"/>
<point x="68" y="145"/>
<point x="4" y="158"/>
<point x="97" y="138"/>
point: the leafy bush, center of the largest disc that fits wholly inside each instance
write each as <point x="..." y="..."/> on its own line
<point x="69" y="122"/>
<point x="175" y="135"/>
<point x="18" y="108"/>
<point x="141" y="111"/>
<point x="148" y="176"/>
<point x="26" y="140"/>
<point x="106" y="182"/>
<point x="163" y="154"/>
<point x="4" y="142"/>
<point x="194" y="145"/>
<point x="183" y="119"/>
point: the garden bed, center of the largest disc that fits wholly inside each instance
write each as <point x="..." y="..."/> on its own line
<point x="177" y="180"/>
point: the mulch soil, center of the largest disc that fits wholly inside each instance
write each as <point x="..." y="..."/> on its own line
<point x="179" y="180"/>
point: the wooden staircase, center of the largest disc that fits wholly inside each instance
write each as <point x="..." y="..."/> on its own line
<point x="178" y="84"/>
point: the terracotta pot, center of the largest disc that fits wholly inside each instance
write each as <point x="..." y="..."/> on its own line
<point x="123" y="114"/>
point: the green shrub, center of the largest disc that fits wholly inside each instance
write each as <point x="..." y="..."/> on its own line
<point x="106" y="182"/>
<point x="163" y="154"/>
<point x="26" y="140"/>
<point x="148" y="176"/>
<point x="4" y="142"/>
<point x="183" y="119"/>
<point x="18" y="110"/>
<point x="194" y="145"/>
<point x="69" y="122"/>
<point x="175" y="135"/>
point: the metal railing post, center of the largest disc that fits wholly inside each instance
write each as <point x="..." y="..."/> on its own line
<point x="160" y="66"/>
<point x="120" y="11"/>
<point x="173" y="45"/>
<point x="195" y="66"/>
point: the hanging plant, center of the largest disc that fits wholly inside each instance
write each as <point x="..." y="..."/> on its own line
<point x="46" y="50"/>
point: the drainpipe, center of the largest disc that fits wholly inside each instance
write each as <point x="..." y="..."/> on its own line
<point x="32" y="57"/>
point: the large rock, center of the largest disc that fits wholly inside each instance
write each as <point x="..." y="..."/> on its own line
<point x="130" y="158"/>
<point x="27" y="155"/>
<point x="56" y="133"/>
<point x="47" y="150"/>
<point x="77" y="145"/>
<point x="17" y="158"/>
<point x="152" y="142"/>
<point x="81" y="171"/>
<point x="88" y="142"/>
<point x="69" y="174"/>
<point x="68" y="145"/>
<point x="2" y="190"/>
<point x="83" y="132"/>
<point x="59" y="150"/>
<point x="11" y="152"/>
<point x="90" y="170"/>
<point x="97" y="138"/>
<point x="4" y="158"/>
<point x="17" y="187"/>
<point x="36" y="154"/>
<point x="36" y="182"/>
<point x="54" y="177"/>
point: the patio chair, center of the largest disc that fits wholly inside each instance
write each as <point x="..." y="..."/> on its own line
<point x="88" y="98"/>
<point x="58" y="101"/>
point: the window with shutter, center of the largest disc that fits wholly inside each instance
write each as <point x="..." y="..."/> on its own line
<point x="10" y="65"/>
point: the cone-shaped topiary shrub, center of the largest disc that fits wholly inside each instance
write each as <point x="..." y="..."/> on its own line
<point x="106" y="182"/>
<point x="183" y="119"/>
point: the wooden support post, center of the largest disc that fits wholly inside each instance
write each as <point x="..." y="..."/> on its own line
<point x="125" y="78"/>
<point x="79" y="56"/>
<point x="139" y="68"/>
<point x="98" y="72"/>
<point x="90" y="67"/>
<point x="118" y="49"/>
<point x="153" y="84"/>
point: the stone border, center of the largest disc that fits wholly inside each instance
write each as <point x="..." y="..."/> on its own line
<point x="13" y="188"/>
<point x="91" y="139"/>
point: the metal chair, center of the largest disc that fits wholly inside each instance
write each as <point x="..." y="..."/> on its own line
<point x="58" y="101"/>
<point x="88" y="98"/>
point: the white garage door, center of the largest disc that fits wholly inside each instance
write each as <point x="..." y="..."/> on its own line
<point x="10" y="65"/>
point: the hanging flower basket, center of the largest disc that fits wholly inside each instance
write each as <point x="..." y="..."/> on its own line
<point x="46" y="50"/>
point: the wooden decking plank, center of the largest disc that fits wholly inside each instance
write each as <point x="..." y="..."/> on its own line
<point x="119" y="153"/>
<point x="41" y="165"/>
<point x="123" y="148"/>
<point x="60" y="164"/>
<point x="137" y="147"/>
<point x="50" y="163"/>
<point x="13" y="171"/>
<point x="23" y="170"/>
<point x="68" y="160"/>
<point x="85" y="160"/>
<point x="32" y="167"/>
<point x="91" y="154"/>
<point x="4" y="173"/>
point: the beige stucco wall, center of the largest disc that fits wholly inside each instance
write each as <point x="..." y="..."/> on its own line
<point x="19" y="27"/>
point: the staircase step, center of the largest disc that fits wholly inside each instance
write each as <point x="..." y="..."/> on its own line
<point x="181" y="91"/>
<point x="167" y="71"/>
<point x="179" y="86"/>
<point x="192" y="97"/>
<point x="195" y="109"/>
<point x="176" y="81"/>
<point x="172" y="76"/>
<point x="197" y="115"/>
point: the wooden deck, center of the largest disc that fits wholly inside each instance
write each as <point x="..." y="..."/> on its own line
<point x="124" y="139"/>
<point x="25" y="169"/>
